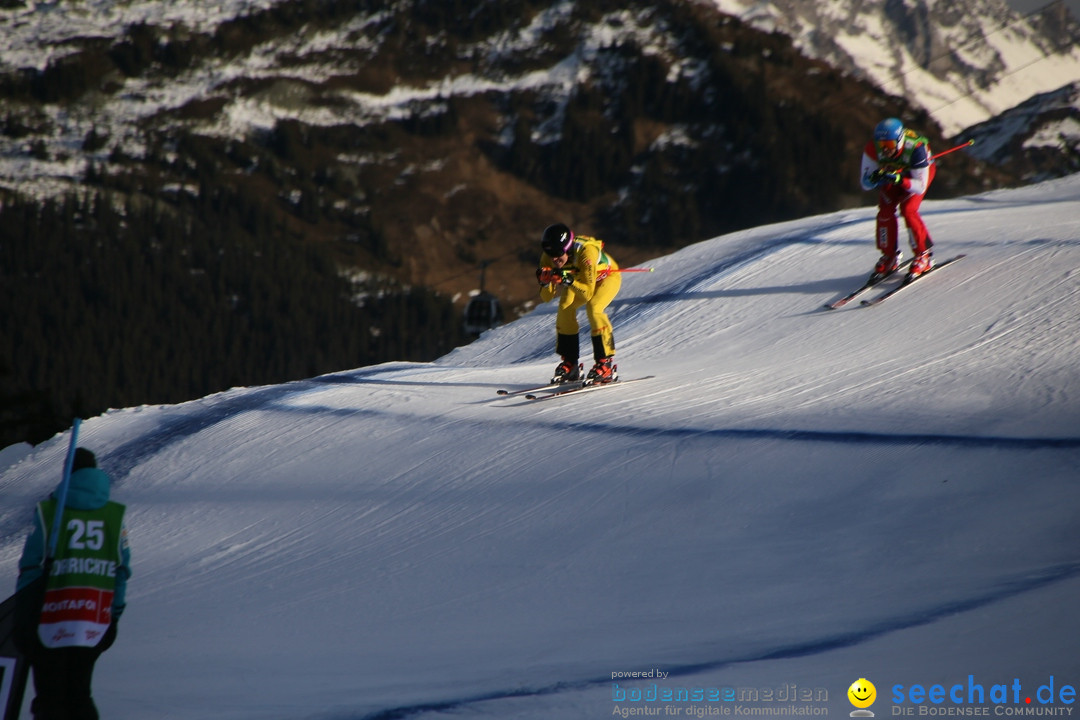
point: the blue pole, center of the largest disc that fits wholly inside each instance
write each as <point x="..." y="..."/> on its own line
<point x="58" y="517"/>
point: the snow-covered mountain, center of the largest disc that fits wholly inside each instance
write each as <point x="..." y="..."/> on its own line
<point x="964" y="61"/>
<point x="416" y="144"/>
<point x="1041" y="135"/>
<point x="797" y="499"/>
<point x="153" y="68"/>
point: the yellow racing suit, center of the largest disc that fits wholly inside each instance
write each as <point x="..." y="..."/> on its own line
<point x="595" y="286"/>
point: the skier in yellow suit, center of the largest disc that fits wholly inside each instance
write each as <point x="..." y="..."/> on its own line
<point x="576" y="269"/>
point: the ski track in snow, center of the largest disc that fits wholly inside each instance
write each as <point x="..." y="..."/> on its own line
<point x="1007" y="590"/>
<point x="703" y="284"/>
<point x="128" y="456"/>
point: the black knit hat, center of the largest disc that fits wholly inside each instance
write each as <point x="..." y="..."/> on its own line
<point x="83" y="459"/>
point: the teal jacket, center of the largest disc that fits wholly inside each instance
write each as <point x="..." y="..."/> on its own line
<point x="88" y="489"/>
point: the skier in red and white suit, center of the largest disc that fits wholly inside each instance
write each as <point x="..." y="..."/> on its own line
<point x="897" y="163"/>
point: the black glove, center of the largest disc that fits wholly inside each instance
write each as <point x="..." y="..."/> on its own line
<point x="564" y="277"/>
<point x="884" y="176"/>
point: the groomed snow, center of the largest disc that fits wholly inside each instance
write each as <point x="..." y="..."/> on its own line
<point x="797" y="498"/>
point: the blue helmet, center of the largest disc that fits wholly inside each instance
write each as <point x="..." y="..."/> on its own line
<point x="889" y="139"/>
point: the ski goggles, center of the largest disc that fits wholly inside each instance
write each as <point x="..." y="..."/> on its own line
<point x="556" y="248"/>
<point x="887" y="148"/>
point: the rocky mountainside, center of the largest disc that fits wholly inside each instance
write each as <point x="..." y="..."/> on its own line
<point x="964" y="61"/>
<point x="419" y="138"/>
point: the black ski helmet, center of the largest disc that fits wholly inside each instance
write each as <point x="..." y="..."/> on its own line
<point x="557" y="240"/>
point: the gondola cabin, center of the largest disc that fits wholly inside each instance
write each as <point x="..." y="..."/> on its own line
<point x="482" y="312"/>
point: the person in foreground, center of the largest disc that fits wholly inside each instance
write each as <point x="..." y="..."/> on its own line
<point x="84" y="592"/>
<point x="576" y="269"/>
<point x="898" y="164"/>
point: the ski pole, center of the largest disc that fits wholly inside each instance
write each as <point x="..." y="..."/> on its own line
<point x="961" y="146"/>
<point x="62" y="494"/>
<point x="618" y="270"/>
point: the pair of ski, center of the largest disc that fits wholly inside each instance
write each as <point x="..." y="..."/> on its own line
<point x="556" y="390"/>
<point x="874" y="280"/>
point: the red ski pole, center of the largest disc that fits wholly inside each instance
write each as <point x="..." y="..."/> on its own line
<point x="618" y="270"/>
<point x="961" y="146"/>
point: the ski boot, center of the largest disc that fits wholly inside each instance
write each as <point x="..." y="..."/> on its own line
<point x="886" y="266"/>
<point x="566" y="372"/>
<point x="923" y="262"/>
<point x="602" y="372"/>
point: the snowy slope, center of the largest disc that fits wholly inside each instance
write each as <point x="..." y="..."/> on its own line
<point x="798" y="498"/>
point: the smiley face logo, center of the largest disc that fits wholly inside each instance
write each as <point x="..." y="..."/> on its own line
<point x="862" y="693"/>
